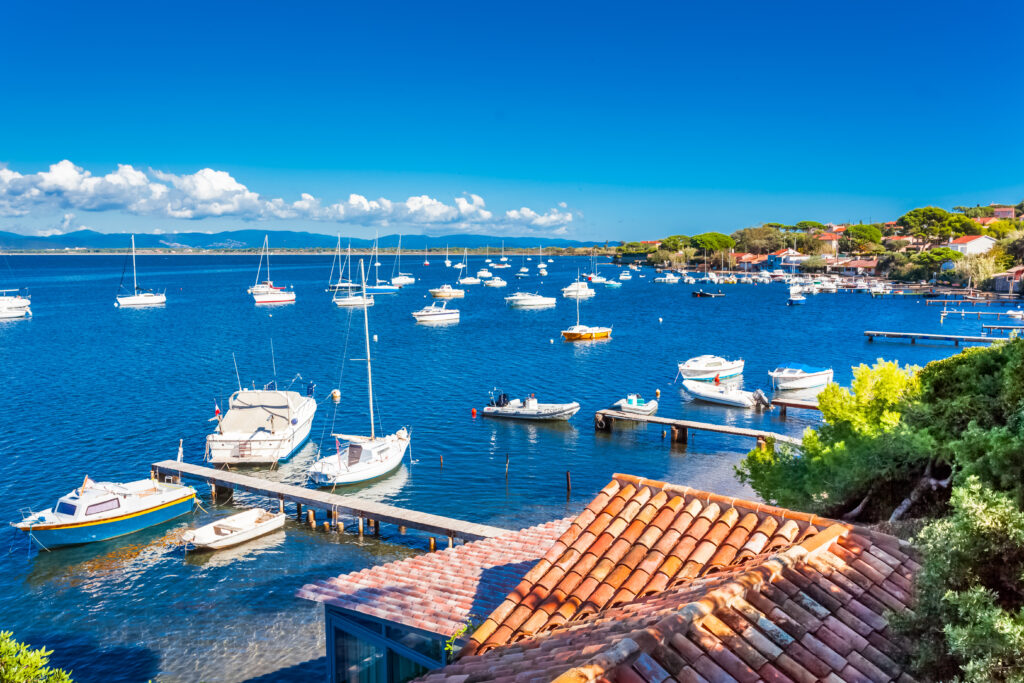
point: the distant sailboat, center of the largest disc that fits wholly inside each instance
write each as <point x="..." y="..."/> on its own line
<point x="344" y="280"/>
<point x="379" y="286"/>
<point x="139" y="296"/>
<point x="265" y="292"/>
<point x="401" y="279"/>
<point x="355" y="299"/>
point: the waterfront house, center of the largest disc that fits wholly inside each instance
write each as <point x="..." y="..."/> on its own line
<point x="1009" y="281"/>
<point x="972" y="244"/>
<point x="831" y="241"/>
<point x="860" y="267"/>
<point x="785" y="259"/>
<point x="750" y="262"/>
<point x="650" y="582"/>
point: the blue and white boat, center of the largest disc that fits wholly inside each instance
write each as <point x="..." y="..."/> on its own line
<point x="799" y="376"/>
<point x="796" y="297"/>
<point x="98" y="511"/>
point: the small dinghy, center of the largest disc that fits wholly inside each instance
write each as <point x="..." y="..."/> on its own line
<point x="701" y="294"/>
<point x="235" y="529"/>
<point x="726" y="394"/>
<point x="634" y="403"/>
<point x="530" y="409"/>
<point x="799" y="376"/>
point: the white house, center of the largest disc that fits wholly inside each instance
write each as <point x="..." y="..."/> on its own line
<point x="972" y="244"/>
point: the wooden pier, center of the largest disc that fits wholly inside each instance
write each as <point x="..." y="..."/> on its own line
<point x="915" y="336"/>
<point x="222" y="482"/>
<point x="605" y="419"/>
<point x="1002" y="327"/>
<point x="974" y="314"/>
<point x="783" y="404"/>
<point x="975" y="302"/>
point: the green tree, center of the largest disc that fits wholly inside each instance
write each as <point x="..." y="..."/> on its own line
<point x="1002" y="228"/>
<point x="810" y="226"/>
<point x="864" y="234"/>
<point x="967" y="622"/>
<point x="814" y="264"/>
<point x="761" y="240"/>
<point x="957" y="226"/>
<point x="924" y="221"/>
<point x="934" y="258"/>
<point x="21" y="664"/>
<point x="975" y="211"/>
<point x="675" y="242"/>
<point x="713" y="241"/>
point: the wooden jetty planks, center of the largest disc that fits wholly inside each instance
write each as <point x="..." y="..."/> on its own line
<point x="914" y="336"/>
<point x="783" y="404"/>
<point x="331" y="502"/>
<point x="603" y="420"/>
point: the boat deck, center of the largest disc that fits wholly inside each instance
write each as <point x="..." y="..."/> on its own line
<point x="331" y="503"/>
<point x="605" y="419"/>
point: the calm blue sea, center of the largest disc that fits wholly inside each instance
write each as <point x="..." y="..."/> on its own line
<point x="90" y="389"/>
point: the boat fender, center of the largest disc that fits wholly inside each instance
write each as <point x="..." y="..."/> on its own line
<point x="474" y="412"/>
<point x="336" y="396"/>
<point x="657" y="393"/>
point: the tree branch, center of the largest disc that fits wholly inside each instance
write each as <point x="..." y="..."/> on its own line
<point x="926" y="483"/>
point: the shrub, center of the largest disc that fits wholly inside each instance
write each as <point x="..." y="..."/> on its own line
<point x="21" y="664"/>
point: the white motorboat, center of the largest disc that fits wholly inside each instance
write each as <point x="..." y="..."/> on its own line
<point x="261" y="426"/>
<point x="625" y="275"/>
<point x="688" y="280"/>
<point x="542" y="271"/>
<point x="529" y="409"/>
<point x="469" y="280"/>
<point x="101" y="510"/>
<point x="526" y="300"/>
<point x="362" y="458"/>
<point x="634" y="403"/>
<point x="447" y="292"/>
<point x="1015" y="313"/>
<point x="799" y="376"/>
<point x="266" y="292"/>
<point x="484" y="274"/>
<point x="578" y="290"/>
<point x="667" y="278"/>
<point x="353" y="299"/>
<point x="238" y="528"/>
<point x="13" y="304"/>
<point x="437" y="314"/>
<point x="402" y="279"/>
<point x="707" y="368"/>
<point x="344" y="280"/>
<point x="495" y="282"/>
<point x="796" y="297"/>
<point x="725" y="394"/>
<point x="139" y="296"/>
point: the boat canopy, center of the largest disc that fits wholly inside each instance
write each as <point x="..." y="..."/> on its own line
<point x="253" y="410"/>
<point x="799" y="366"/>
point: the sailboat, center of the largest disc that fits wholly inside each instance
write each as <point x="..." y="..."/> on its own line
<point x="362" y="458"/>
<point x="380" y="286"/>
<point x="447" y="261"/>
<point x="344" y="280"/>
<point x="401" y="279"/>
<point x="465" y="260"/>
<point x="139" y="296"/>
<point x="502" y="262"/>
<point x="503" y="257"/>
<point x="426" y="257"/>
<point x="580" y="332"/>
<point x="265" y="292"/>
<point x="352" y="299"/>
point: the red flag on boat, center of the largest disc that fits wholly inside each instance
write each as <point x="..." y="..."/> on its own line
<point x="216" y="409"/>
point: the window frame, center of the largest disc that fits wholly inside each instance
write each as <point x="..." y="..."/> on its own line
<point x="89" y="510"/>
<point x="335" y="618"/>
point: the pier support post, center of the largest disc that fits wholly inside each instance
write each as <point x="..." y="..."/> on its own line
<point x="360" y="527"/>
<point x="298" y="511"/>
<point x="311" y="517"/>
<point x="334" y="519"/>
<point x="871" y="337"/>
<point x="401" y="530"/>
<point x="220" y="492"/>
<point x="451" y="541"/>
<point x="782" y="412"/>
<point x="679" y="434"/>
<point x="327" y="525"/>
<point x="761" y="443"/>
<point x="280" y="505"/>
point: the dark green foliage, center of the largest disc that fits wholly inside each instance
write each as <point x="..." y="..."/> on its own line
<point x="810" y="226"/>
<point x="967" y="623"/>
<point x="762" y="240"/>
<point x="713" y="241"/>
<point x="675" y="242"/>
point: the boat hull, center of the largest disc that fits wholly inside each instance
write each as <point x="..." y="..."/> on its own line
<point x="562" y="413"/>
<point x="201" y="540"/>
<point x="326" y="472"/>
<point x="710" y="394"/>
<point x="274" y="297"/>
<point x="586" y="336"/>
<point x="700" y="375"/>
<point x="142" y="300"/>
<point x="78" y="533"/>
<point x="222" y="449"/>
<point x="808" y="381"/>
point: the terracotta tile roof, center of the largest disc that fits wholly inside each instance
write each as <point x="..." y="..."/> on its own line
<point x="656" y="582"/>
<point x="828" y="237"/>
<point x="438" y="592"/>
<point x="966" y="239"/>
<point x="861" y="263"/>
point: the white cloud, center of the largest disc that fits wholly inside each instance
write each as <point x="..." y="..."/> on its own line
<point x="210" y="193"/>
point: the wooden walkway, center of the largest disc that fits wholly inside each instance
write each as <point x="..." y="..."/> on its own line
<point x="1002" y="327"/>
<point x="783" y="404"/>
<point x="605" y="419"/>
<point x="974" y="302"/>
<point x="914" y="336"/>
<point x="331" y="503"/>
<point x="973" y="314"/>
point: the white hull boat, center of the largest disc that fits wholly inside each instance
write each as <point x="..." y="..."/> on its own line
<point x="495" y="282"/>
<point x="667" y="279"/>
<point x="524" y="300"/>
<point x="625" y="275"/>
<point x="353" y="301"/>
<point x="231" y="531"/>
<point x="261" y="426"/>
<point x="469" y="280"/>
<point x="706" y="368"/>
<point x="14" y="305"/>
<point x="447" y="292"/>
<point x="798" y="376"/>
<point x="139" y="296"/>
<point x="529" y="409"/>
<point x="403" y="279"/>
<point x="723" y="394"/>
<point x="578" y="290"/>
<point x="634" y="403"/>
<point x="437" y="314"/>
<point x="265" y="292"/>
<point x="14" y="313"/>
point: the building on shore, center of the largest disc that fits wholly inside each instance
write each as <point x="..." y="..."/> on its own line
<point x="651" y="582"/>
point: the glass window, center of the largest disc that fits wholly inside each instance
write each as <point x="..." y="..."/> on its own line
<point x="358" y="661"/>
<point x="365" y="622"/>
<point x="401" y="669"/>
<point x="431" y="647"/>
<point x="65" y="508"/>
<point x="97" y="508"/>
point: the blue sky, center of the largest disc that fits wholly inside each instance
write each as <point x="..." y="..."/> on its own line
<point x="605" y="121"/>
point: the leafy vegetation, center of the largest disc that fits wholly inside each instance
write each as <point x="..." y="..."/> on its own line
<point x="19" y="663"/>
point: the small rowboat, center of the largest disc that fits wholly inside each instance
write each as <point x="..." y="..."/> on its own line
<point x="235" y="529"/>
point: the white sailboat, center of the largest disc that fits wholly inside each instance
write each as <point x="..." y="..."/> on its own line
<point x="401" y="279"/>
<point x="344" y="280"/>
<point x="362" y="458"/>
<point x="447" y="261"/>
<point x="139" y="296"/>
<point x="379" y="286"/>
<point x="465" y="260"/>
<point x="265" y="292"/>
<point x="352" y="299"/>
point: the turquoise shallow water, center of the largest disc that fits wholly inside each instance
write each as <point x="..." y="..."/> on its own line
<point x="91" y="389"/>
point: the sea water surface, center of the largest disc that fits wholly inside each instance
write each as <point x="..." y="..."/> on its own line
<point x="91" y="389"/>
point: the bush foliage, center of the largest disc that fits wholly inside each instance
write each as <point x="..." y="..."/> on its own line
<point x="19" y="663"/>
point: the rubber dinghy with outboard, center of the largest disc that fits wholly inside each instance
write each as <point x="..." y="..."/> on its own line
<point x="726" y="394"/>
<point x="634" y="403"/>
<point x="237" y="528"/>
<point x="98" y="511"/>
<point x="799" y="376"/>
<point x="530" y="409"/>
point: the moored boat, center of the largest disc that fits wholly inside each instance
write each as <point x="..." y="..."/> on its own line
<point x="495" y="282"/>
<point x="447" y="292"/>
<point x="527" y="300"/>
<point x="528" y="409"/>
<point x="799" y="376"/>
<point x="634" y="403"/>
<point x="701" y="294"/>
<point x="238" y="528"/>
<point x="578" y="290"/>
<point x="266" y="292"/>
<point x="261" y="426"/>
<point x="140" y="296"/>
<point x="98" y="511"/>
<point x="725" y="394"/>
<point x="437" y="314"/>
<point x="708" y="368"/>
<point x="667" y="278"/>
<point x="14" y="304"/>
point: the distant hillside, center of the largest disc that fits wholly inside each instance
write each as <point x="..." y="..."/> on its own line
<point x="253" y="239"/>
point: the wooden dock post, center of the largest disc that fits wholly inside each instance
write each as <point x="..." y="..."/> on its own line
<point x="334" y="519"/>
<point x="280" y="505"/>
<point x="401" y="530"/>
<point x="568" y="483"/>
<point x="433" y="544"/>
<point x="360" y="527"/>
<point x="782" y="412"/>
<point x="298" y="511"/>
<point x="680" y="434"/>
<point x="451" y="542"/>
<point x="761" y="443"/>
<point x="220" y="491"/>
<point x="311" y="517"/>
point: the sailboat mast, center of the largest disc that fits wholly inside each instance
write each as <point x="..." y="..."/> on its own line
<point x="135" y="279"/>
<point x="266" y="245"/>
<point x="366" y="329"/>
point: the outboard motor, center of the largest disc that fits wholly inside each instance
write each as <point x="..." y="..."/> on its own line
<point x="309" y="388"/>
<point x="502" y="400"/>
<point x="761" y="401"/>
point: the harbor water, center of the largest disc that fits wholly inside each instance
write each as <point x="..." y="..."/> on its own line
<point x="95" y="390"/>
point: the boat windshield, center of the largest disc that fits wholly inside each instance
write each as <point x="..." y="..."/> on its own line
<point x="66" y="508"/>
